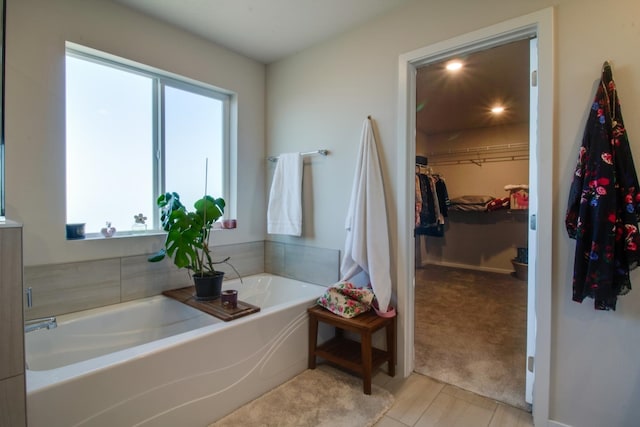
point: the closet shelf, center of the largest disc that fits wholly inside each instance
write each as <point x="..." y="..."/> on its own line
<point x="485" y="212"/>
<point x="480" y="155"/>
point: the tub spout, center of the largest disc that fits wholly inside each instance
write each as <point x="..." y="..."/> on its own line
<point x="40" y="323"/>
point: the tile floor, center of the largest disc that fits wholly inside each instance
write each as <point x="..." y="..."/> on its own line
<point x="423" y="402"/>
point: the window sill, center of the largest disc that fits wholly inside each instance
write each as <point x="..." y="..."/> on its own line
<point x="129" y="234"/>
<point x="120" y="235"/>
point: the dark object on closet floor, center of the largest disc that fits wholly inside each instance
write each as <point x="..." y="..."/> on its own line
<point x="521" y="269"/>
<point x="523" y="255"/>
<point x="436" y="230"/>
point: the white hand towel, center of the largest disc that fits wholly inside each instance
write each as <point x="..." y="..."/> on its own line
<point x="284" y="214"/>
<point x="366" y="252"/>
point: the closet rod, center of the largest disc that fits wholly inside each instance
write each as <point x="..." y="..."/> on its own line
<point x="420" y="168"/>
<point x="499" y="148"/>
<point x="478" y="162"/>
<point x="306" y="153"/>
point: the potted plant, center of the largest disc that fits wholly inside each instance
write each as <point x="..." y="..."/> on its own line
<point x="187" y="241"/>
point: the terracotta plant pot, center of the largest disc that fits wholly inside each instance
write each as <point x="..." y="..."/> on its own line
<point x="208" y="286"/>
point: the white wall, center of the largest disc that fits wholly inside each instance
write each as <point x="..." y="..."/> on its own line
<point x="476" y="240"/>
<point x="320" y="97"/>
<point x="488" y="178"/>
<point x="35" y="121"/>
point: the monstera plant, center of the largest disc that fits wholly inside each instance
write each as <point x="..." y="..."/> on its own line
<point x="187" y="241"/>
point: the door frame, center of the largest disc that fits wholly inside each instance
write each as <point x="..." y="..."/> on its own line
<point x="539" y="24"/>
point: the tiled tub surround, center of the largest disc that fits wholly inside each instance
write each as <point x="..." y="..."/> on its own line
<point x="66" y="288"/>
<point x="188" y="379"/>
<point x="306" y="263"/>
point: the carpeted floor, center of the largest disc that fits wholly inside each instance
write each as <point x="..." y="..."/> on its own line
<point x="323" y="396"/>
<point x="471" y="331"/>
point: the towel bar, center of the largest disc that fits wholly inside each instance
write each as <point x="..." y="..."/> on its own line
<point x="306" y="153"/>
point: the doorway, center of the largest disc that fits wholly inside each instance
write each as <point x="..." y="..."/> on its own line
<point x="538" y="24"/>
<point x="472" y="148"/>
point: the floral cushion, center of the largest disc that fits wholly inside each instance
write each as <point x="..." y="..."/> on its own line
<point x="346" y="300"/>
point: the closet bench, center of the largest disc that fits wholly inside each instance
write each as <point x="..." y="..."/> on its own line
<point x="361" y="358"/>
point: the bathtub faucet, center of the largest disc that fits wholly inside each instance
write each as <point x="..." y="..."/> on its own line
<point x="40" y="323"/>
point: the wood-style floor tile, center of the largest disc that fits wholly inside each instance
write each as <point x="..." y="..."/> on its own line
<point x="470" y="397"/>
<point x="413" y="396"/>
<point x="451" y="411"/>
<point x="508" y="416"/>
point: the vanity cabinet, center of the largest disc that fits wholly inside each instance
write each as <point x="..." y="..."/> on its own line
<point x="12" y="372"/>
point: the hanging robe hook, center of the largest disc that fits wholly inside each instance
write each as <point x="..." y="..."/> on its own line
<point x="607" y="68"/>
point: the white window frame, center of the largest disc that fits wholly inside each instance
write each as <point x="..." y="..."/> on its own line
<point x="162" y="79"/>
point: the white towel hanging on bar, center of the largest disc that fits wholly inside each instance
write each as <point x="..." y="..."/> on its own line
<point x="284" y="214"/>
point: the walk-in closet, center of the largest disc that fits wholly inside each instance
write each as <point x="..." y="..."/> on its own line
<point x="472" y="174"/>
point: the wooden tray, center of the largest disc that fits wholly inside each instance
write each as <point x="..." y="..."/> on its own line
<point x="214" y="308"/>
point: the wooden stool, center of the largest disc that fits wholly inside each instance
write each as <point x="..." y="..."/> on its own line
<point x="361" y="358"/>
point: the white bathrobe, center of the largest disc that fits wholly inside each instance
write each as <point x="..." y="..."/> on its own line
<point x="367" y="244"/>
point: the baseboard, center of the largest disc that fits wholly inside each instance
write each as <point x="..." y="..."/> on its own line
<point x="467" y="267"/>
<point x="557" y="424"/>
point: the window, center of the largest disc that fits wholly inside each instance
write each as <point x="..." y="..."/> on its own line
<point x="133" y="134"/>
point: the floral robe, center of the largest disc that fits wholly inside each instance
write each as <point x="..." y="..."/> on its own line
<point x="604" y="204"/>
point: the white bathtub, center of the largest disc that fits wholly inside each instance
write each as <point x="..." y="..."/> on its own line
<point x="157" y="362"/>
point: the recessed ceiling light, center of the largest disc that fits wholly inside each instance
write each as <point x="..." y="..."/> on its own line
<point x="454" y="65"/>
<point x="497" y="109"/>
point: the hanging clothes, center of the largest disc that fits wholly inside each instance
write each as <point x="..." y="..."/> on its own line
<point x="428" y="216"/>
<point x="604" y="203"/>
<point x="433" y="200"/>
<point x="418" y="202"/>
<point x="443" y="196"/>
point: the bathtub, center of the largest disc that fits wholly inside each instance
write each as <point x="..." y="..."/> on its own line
<point x="157" y="362"/>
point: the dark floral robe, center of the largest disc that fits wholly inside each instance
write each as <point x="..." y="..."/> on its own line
<point x="604" y="204"/>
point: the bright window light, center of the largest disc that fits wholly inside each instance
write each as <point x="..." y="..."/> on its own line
<point x="109" y="145"/>
<point x="133" y="134"/>
<point x="193" y="130"/>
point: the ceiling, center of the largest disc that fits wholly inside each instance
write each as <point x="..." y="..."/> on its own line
<point x="269" y="30"/>
<point x="265" y="30"/>
<point x="449" y="101"/>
